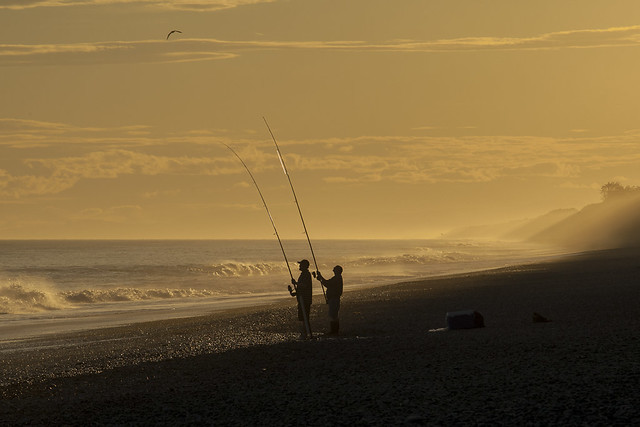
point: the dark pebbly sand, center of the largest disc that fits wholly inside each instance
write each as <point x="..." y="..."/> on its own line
<point x="390" y="366"/>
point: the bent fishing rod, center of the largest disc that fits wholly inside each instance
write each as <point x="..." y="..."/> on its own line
<point x="286" y="172"/>
<point x="273" y="224"/>
<point x="264" y="203"/>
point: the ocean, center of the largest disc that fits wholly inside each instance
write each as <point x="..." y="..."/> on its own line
<point x="53" y="286"/>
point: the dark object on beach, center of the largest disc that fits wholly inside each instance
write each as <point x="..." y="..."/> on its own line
<point x="467" y="319"/>
<point x="538" y="318"/>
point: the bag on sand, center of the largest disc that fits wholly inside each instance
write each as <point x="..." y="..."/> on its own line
<point x="466" y="319"/>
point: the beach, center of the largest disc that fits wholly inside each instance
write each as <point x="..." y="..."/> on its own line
<point x="394" y="362"/>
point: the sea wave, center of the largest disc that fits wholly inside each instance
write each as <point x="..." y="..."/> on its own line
<point x="131" y="294"/>
<point x="430" y="257"/>
<point x="239" y="269"/>
<point x="16" y="298"/>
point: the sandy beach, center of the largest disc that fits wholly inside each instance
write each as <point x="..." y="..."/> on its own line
<point x="393" y="363"/>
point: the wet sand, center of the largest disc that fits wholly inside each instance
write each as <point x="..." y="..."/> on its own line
<point x="391" y="365"/>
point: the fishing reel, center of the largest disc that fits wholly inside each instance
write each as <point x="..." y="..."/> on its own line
<point x="291" y="291"/>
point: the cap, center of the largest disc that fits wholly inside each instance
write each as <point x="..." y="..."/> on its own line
<point x="304" y="262"/>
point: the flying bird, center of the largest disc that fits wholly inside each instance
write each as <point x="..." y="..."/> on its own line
<point x="173" y="31"/>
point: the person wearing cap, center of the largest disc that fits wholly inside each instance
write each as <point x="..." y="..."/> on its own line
<point x="334" y="292"/>
<point x="304" y="289"/>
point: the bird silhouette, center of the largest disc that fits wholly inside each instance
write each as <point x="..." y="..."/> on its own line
<point x="173" y="31"/>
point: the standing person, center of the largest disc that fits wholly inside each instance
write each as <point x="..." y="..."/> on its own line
<point x="334" y="292"/>
<point x="304" y="290"/>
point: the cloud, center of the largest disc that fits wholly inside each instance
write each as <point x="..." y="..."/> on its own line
<point x="362" y="179"/>
<point x="417" y="159"/>
<point x="13" y="125"/>
<point x="116" y="52"/>
<point x="19" y="133"/>
<point x="113" y="163"/>
<point x="159" y="193"/>
<point x="55" y="175"/>
<point x="115" y="214"/>
<point x="366" y="159"/>
<point x="587" y="38"/>
<point x="189" y="50"/>
<point x="192" y="5"/>
<point x="29" y="185"/>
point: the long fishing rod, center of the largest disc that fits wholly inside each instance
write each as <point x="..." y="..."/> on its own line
<point x="286" y="172"/>
<point x="264" y="203"/>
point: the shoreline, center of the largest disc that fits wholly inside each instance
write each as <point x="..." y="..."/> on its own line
<point x="244" y="366"/>
<point x="40" y="324"/>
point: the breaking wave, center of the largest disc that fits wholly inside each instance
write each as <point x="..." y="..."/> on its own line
<point x="17" y="298"/>
<point x="131" y="294"/>
<point x="239" y="269"/>
<point x="430" y="257"/>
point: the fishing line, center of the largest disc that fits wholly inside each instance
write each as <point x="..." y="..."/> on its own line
<point x="286" y="172"/>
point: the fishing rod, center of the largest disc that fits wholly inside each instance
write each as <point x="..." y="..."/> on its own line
<point x="264" y="203"/>
<point x="286" y="172"/>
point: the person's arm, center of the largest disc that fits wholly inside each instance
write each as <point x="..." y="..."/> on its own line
<point x="327" y="283"/>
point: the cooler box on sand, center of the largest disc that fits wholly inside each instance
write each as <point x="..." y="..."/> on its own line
<point x="466" y="319"/>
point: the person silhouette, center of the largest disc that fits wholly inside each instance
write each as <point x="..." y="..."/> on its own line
<point x="334" y="292"/>
<point x="304" y="292"/>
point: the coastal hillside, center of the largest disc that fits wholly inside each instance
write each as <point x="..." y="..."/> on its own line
<point x="535" y="226"/>
<point x="613" y="223"/>
<point x="518" y="230"/>
<point x="484" y="231"/>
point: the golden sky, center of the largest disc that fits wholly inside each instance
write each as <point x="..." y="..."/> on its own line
<point x="397" y="118"/>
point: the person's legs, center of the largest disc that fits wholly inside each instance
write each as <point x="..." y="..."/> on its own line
<point x="334" y="322"/>
<point x="301" y="317"/>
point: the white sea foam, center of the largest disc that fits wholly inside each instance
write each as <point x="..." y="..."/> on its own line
<point x="131" y="294"/>
<point x="433" y="257"/>
<point x="240" y="269"/>
<point x="16" y="298"/>
<point x="35" y="296"/>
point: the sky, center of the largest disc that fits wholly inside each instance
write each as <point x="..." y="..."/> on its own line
<point x="395" y="118"/>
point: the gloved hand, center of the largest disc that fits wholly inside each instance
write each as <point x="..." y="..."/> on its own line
<point x="291" y="292"/>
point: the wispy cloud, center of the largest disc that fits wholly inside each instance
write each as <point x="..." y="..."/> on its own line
<point x="586" y="38"/>
<point x="115" y="214"/>
<point x="193" y="5"/>
<point x="188" y="50"/>
<point x="113" y="163"/>
<point x="368" y="159"/>
<point x="55" y="175"/>
<point x="11" y="125"/>
<point x="464" y="159"/>
<point x="20" y="133"/>
<point x="148" y="51"/>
